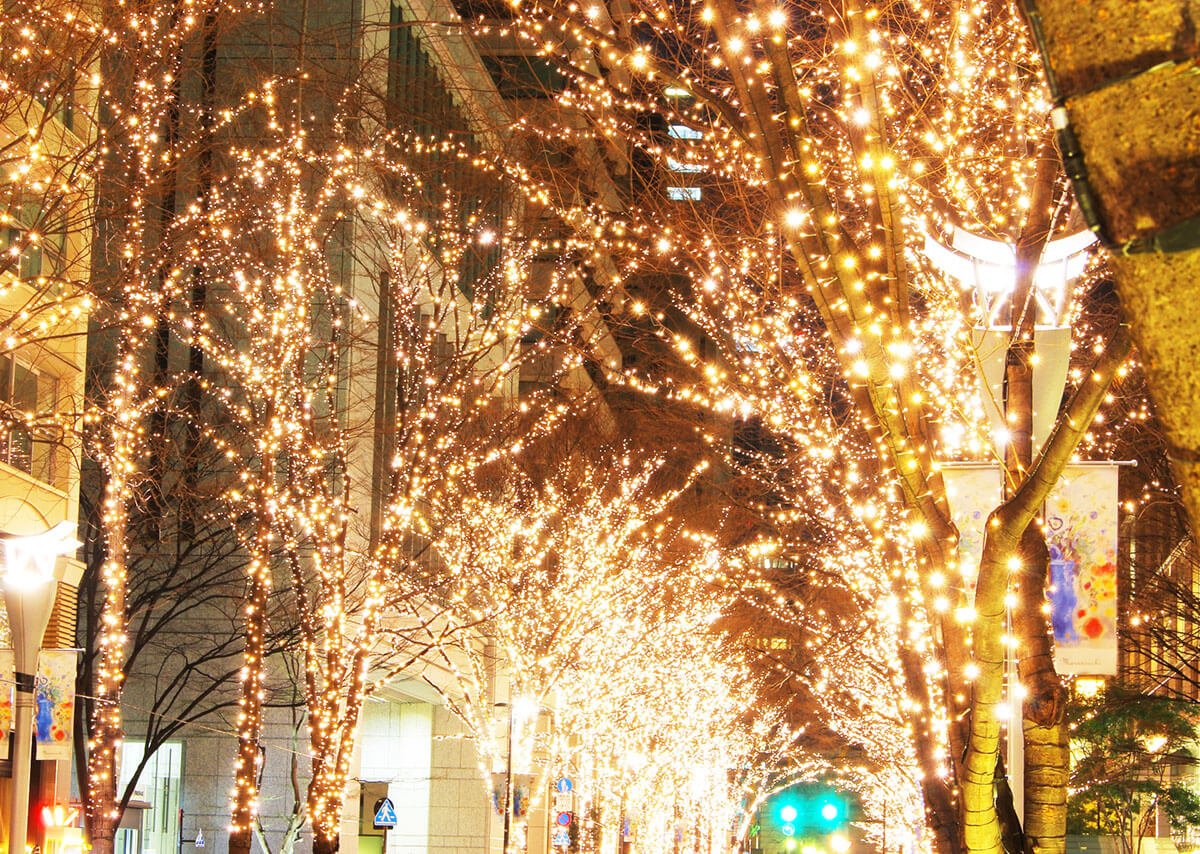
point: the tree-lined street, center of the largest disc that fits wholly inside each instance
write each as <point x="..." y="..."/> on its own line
<point x="599" y="427"/>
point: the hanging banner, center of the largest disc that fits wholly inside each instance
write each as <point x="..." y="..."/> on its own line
<point x="1081" y="533"/>
<point x="522" y="793"/>
<point x="54" y="703"/>
<point x="973" y="490"/>
<point x="991" y="351"/>
<point x="8" y="685"/>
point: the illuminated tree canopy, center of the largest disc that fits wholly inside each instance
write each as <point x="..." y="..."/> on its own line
<point x="618" y="377"/>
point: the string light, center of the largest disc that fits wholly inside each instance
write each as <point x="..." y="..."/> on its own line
<point x="821" y="148"/>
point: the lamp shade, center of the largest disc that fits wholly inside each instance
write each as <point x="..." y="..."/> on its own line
<point x="29" y="586"/>
<point x="29" y="610"/>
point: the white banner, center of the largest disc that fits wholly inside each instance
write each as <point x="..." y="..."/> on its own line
<point x="973" y="490"/>
<point x="522" y="793"/>
<point x="1053" y="347"/>
<point x="1081" y="533"/>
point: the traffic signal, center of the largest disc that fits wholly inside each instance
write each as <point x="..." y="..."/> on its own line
<point x="831" y="810"/>
<point x="787" y="824"/>
<point x="809" y="812"/>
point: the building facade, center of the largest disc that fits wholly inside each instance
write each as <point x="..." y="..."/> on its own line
<point x="44" y="256"/>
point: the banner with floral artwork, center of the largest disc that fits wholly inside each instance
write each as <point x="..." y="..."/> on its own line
<point x="8" y="686"/>
<point x="54" y="703"/>
<point x="974" y="491"/>
<point x="1081" y="533"/>
<point x="522" y="793"/>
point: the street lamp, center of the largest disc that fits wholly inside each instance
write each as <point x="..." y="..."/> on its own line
<point x="524" y="707"/>
<point x="989" y="268"/>
<point x="29" y="587"/>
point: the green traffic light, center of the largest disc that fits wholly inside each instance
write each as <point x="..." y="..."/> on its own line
<point x="808" y="811"/>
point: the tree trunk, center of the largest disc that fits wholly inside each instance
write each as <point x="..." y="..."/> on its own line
<point x="981" y="827"/>
<point x="249" y="724"/>
<point x="100" y="803"/>
<point x="1046" y="754"/>
<point x="1045" y="766"/>
<point x="246" y="766"/>
<point x="1001" y="546"/>
<point x="1047" y="758"/>
<point x="323" y="844"/>
<point x="941" y="812"/>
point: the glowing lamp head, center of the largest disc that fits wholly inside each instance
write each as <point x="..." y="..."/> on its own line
<point x="788" y="813"/>
<point x="524" y="708"/>
<point x="829" y="811"/>
<point x="28" y="562"/>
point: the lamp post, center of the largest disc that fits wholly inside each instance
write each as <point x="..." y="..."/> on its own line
<point x="29" y="587"/>
<point x="507" y="777"/>
<point x="989" y="268"/>
<point x="524" y="707"/>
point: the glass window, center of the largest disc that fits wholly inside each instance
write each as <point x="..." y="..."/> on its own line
<point x="523" y="76"/>
<point x="157" y="792"/>
<point x="46" y="256"/>
<point x="46" y="462"/>
<point x="26" y="390"/>
<point x="31" y="262"/>
<point x="683" y="194"/>
<point x="23" y="398"/>
<point x="680" y="166"/>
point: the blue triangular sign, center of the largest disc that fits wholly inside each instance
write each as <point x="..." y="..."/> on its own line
<point x="385" y="814"/>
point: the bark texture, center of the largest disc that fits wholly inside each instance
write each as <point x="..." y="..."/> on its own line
<point x="1045" y="732"/>
<point x="1045" y="771"/>
<point x="106" y="733"/>
<point x="1046" y="766"/>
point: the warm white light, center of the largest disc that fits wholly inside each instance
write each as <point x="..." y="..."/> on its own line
<point x="1155" y="743"/>
<point x="29" y="561"/>
<point x="524" y="708"/>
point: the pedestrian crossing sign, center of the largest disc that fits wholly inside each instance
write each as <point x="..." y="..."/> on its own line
<point x="385" y="814"/>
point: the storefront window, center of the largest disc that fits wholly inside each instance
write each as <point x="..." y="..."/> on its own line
<point x="157" y="792"/>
